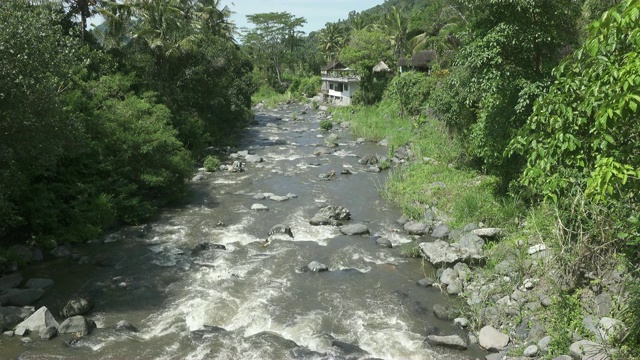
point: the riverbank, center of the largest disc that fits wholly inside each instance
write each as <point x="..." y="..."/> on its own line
<point x="524" y="295"/>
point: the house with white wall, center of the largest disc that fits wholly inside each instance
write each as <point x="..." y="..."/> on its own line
<point x="339" y="83"/>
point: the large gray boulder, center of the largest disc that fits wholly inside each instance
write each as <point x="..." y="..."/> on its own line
<point x="330" y="215"/>
<point x="488" y="233"/>
<point x="10" y="281"/>
<point x="280" y="232"/>
<point x="441" y="253"/>
<point x="471" y="242"/>
<point x="78" y="305"/>
<point x="259" y="207"/>
<point x="21" y="297"/>
<point x="40" y="320"/>
<point x="10" y="316"/>
<point x="315" y="266"/>
<point x="492" y="339"/>
<point x="441" y="232"/>
<point x="354" y="229"/>
<point x="416" y="228"/>
<point x="76" y="325"/>
<point x="585" y="349"/>
<point x="451" y="341"/>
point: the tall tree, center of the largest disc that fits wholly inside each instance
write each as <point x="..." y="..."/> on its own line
<point x="331" y="40"/>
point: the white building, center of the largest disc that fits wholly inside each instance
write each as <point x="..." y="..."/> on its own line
<point x="339" y="83"/>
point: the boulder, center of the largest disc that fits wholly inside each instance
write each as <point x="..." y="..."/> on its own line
<point x="77" y="305"/>
<point x="604" y="304"/>
<point x="279" y="198"/>
<point x="21" y="297"/>
<point x="322" y="151"/>
<point x="315" y="266"/>
<point x="75" y="325"/>
<point x="10" y="316"/>
<point x="461" y="322"/>
<point x="442" y="312"/>
<point x="259" y="196"/>
<point x="448" y="276"/>
<point x="543" y="344"/>
<point x="585" y="349"/>
<point x="488" y="233"/>
<point x="253" y="159"/>
<point x="370" y="159"/>
<point x="492" y="339"/>
<point x="259" y="207"/>
<point x="40" y="320"/>
<point x="197" y="178"/>
<point x="440" y="232"/>
<point x="125" y="326"/>
<point x="10" y="281"/>
<point x="611" y="328"/>
<point x="384" y="242"/>
<point x="471" y="242"/>
<point x="330" y="215"/>
<point x="531" y="351"/>
<point x="39" y="283"/>
<point x="451" y="341"/>
<point x="354" y="229"/>
<point x="426" y="282"/>
<point x="48" y="333"/>
<point x="441" y="253"/>
<point x="280" y="232"/>
<point x="416" y="228"/>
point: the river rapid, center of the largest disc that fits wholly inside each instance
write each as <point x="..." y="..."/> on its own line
<point x="252" y="301"/>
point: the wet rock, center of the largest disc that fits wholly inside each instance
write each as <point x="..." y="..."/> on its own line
<point x="345" y="172"/>
<point x="354" y="229"/>
<point x="10" y="281"/>
<point x="77" y="305"/>
<point x="48" y="333"/>
<point x="37" y="255"/>
<point x="384" y="242"/>
<point x="330" y="215"/>
<point x="39" y="283"/>
<point x="323" y="151"/>
<point x="585" y="349"/>
<point x="416" y="228"/>
<point x="441" y="253"/>
<point x="41" y="319"/>
<point x="440" y="232"/>
<point x="259" y="196"/>
<point x="315" y="266"/>
<point x="8" y="333"/>
<point x="402" y="220"/>
<point x="279" y="198"/>
<point x="202" y="246"/>
<point x="292" y="196"/>
<point x="383" y="142"/>
<point x="10" y="316"/>
<point x="124" y="326"/>
<point x="206" y="333"/>
<point x="272" y="339"/>
<point x="198" y="178"/>
<point x="492" y="339"/>
<point x="280" y="232"/>
<point x="360" y="140"/>
<point x="370" y="159"/>
<point x="431" y="330"/>
<point x="451" y="341"/>
<point x="21" y="297"/>
<point x="259" y="207"/>
<point x="461" y="322"/>
<point x="374" y="169"/>
<point x="253" y="159"/>
<point x="426" y="282"/>
<point x="348" y="349"/>
<point x="488" y="233"/>
<point x="442" y="312"/>
<point x="75" y="325"/>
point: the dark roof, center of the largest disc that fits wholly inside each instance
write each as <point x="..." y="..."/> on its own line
<point x="334" y="65"/>
<point x="423" y="58"/>
<point x="403" y="62"/>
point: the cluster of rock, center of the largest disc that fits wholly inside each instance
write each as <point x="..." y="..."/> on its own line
<point x="274" y="197"/>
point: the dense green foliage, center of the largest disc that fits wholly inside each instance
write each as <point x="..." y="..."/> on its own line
<point x="97" y="133"/>
<point x="411" y="91"/>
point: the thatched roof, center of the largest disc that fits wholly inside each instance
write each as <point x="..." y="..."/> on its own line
<point x="423" y="58"/>
<point x="403" y="62"/>
<point x="381" y="67"/>
<point x="334" y="65"/>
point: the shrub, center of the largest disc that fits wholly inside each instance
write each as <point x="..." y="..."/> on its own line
<point x="212" y="163"/>
<point x="411" y="249"/>
<point x="326" y="125"/>
<point x="411" y="90"/>
<point x="310" y="87"/>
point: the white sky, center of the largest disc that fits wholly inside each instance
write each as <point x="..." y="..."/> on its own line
<point x="316" y="12"/>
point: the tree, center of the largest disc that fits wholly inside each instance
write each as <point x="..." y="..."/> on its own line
<point x="272" y="41"/>
<point x="331" y="40"/>
<point x="396" y="25"/>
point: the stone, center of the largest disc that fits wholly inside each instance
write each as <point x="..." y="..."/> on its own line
<point x="39" y="320"/>
<point x="531" y="351"/>
<point x="48" y="333"/>
<point x="384" y="242"/>
<point x="333" y="212"/>
<point x="374" y="169"/>
<point x="455" y="287"/>
<point x="315" y="266"/>
<point x="448" y="276"/>
<point x="402" y="220"/>
<point x="370" y="159"/>
<point x="39" y="283"/>
<point x="536" y="249"/>
<point x="426" y="282"/>
<point x="8" y="333"/>
<point x="124" y="325"/>
<point x="440" y="232"/>
<point x="416" y="228"/>
<point x="383" y="142"/>
<point x="495" y="356"/>
<point x="441" y="253"/>
<point x="253" y="159"/>
<point x="461" y="322"/>
<point x="77" y="305"/>
<point x="563" y="357"/>
<point x="354" y="229"/>
<point x="75" y="325"/>
<point x="259" y="196"/>
<point x="543" y="344"/>
<point x="323" y="151"/>
<point x="469" y="227"/>
<point x="10" y="316"/>
<point x="280" y="232"/>
<point x="197" y="178"/>
<point x="603" y="304"/>
<point x="259" y="207"/>
<point x="279" y="198"/>
<point x="463" y="271"/>
<point x="610" y="327"/>
<point x="585" y="349"/>
<point x="471" y="242"/>
<point x="21" y="297"/>
<point x="492" y="339"/>
<point x="10" y="281"/>
<point x="451" y="341"/>
<point x="292" y="196"/>
<point x="488" y="233"/>
<point x="442" y="312"/>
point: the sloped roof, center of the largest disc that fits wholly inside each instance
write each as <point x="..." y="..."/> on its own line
<point x="381" y="67"/>
<point x="403" y="62"/>
<point x="334" y="65"/>
<point x="423" y="58"/>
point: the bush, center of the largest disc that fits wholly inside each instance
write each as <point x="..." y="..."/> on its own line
<point x="411" y="249"/>
<point x="326" y="125"/>
<point x="411" y="90"/>
<point x="212" y="163"/>
<point x="310" y="87"/>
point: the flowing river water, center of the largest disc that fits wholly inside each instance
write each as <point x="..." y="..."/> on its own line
<point x="252" y="301"/>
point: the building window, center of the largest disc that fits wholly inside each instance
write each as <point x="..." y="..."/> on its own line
<point x="330" y="86"/>
<point x="346" y="87"/>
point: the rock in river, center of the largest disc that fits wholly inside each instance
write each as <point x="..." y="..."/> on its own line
<point x="451" y="341"/>
<point x="78" y="305"/>
<point x="76" y="325"/>
<point x="40" y="320"/>
<point x="315" y="266"/>
<point x="354" y="229"/>
<point x="259" y="207"/>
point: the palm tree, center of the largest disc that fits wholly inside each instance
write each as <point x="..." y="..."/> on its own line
<point x="214" y="19"/>
<point x="331" y="40"/>
<point x="117" y="27"/>
<point x="357" y="23"/>
<point x="441" y="35"/>
<point x="396" y="25"/>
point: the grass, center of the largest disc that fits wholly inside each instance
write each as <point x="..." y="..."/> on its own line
<point x="270" y="97"/>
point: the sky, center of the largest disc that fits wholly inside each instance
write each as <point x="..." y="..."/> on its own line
<point x="316" y="12"/>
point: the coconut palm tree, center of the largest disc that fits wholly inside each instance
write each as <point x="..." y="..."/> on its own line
<point x="331" y="40"/>
<point x="396" y="25"/>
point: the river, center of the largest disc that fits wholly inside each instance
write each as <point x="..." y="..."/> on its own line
<point x="252" y="301"/>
